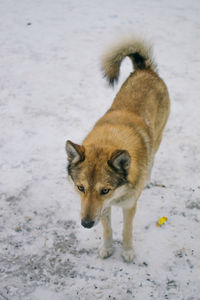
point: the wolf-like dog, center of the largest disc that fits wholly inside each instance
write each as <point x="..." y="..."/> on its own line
<point x="115" y="160"/>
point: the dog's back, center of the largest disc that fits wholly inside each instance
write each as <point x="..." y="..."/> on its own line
<point x="144" y="93"/>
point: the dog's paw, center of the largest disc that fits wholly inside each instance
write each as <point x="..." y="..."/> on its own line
<point x="128" y="255"/>
<point x="105" y="252"/>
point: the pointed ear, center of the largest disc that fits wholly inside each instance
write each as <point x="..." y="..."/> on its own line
<point x="75" y="152"/>
<point x="120" y="161"/>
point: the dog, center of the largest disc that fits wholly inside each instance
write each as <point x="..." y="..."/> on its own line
<point x="115" y="160"/>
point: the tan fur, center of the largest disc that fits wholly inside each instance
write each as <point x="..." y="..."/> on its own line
<point x="127" y="46"/>
<point x="122" y="145"/>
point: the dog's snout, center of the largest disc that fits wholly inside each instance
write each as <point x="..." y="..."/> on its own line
<point x="87" y="223"/>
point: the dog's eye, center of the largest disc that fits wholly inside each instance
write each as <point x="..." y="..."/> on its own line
<point x="105" y="191"/>
<point x="81" y="188"/>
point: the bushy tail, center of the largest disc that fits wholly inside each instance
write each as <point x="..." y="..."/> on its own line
<point x="138" y="50"/>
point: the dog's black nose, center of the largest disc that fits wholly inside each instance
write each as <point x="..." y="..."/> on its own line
<point x="87" y="223"/>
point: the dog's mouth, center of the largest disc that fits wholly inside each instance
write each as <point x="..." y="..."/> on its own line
<point x="89" y="223"/>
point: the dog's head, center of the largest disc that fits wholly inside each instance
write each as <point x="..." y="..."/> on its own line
<point x="97" y="173"/>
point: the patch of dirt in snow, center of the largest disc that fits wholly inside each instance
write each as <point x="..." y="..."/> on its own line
<point x="50" y="249"/>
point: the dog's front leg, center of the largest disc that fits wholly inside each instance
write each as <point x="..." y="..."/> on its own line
<point x="106" y="249"/>
<point x="128" y="215"/>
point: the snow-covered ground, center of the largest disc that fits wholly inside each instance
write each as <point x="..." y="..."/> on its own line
<point x="51" y="89"/>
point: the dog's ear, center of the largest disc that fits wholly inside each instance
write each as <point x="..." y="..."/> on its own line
<point x="120" y="161"/>
<point x="75" y="153"/>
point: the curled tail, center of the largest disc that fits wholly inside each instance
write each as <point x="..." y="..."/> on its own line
<point x="138" y="50"/>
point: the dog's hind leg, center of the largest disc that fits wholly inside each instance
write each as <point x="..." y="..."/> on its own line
<point x="106" y="249"/>
<point x="151" y="162"/>
<point x="149" y="171"/>
<point x="128" y="215"/>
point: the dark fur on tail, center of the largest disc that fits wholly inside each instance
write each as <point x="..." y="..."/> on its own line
<point x="139" y="51"/>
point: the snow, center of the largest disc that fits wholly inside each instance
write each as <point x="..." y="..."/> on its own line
<point x="51" y="90"/>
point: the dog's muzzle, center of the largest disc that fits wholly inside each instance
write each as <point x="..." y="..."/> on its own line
<point x="87" y="223"/>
